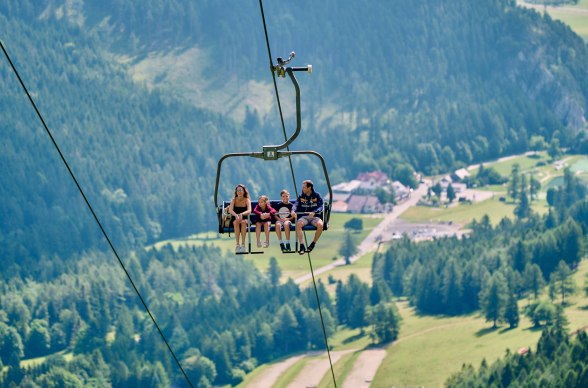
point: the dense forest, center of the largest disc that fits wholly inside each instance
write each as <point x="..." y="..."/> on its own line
<point x="434" y="86"/>
<point x="221" y="317"/>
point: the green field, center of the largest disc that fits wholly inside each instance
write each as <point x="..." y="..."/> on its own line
<point x="461" y="214"/>
<point x="430" y="349"/>
<point x="574" y="16"/>
<point x="292" y="265"/>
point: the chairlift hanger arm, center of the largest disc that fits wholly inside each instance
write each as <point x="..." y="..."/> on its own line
<point x="281" y="71"/>
<point x="260" y="155"/>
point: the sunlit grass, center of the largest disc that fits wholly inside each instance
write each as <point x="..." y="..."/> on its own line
<point x="430" y="348"/>
<point x="292" y="265"/>
<point x="285" y="379"/>
<point x="461" y="214"/>
<point x="32" y="362"/>
<point x="342" y="368"/>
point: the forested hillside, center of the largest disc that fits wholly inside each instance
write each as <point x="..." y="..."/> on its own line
<point x="423" y="86"/>
<point x="429" y="84"/>
<point x="144" y="98"/>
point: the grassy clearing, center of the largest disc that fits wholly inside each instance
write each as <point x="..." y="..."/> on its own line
<point x="526" y="162"/>
<point x="461" y="214"/>
<point x="430" y="349"/>
<point x="292" y="265"/>
<point x="32" y="362"/>
<point x="464" y="213"/>
<point x="428" y="357"/>
<point x="362" y="268"/>
<point x="346" y="339"/>
<point x="573" y="15"/>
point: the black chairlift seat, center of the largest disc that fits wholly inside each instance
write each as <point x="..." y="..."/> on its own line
<point x="225" y="222"/>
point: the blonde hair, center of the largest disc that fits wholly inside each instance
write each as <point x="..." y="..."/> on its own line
<point x="264" y="197"/>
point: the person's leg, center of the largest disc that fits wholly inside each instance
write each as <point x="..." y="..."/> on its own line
<point x="287" y="226"/>
<point x="258" y="233"/>
<point x="299" y="225"/>
<point x="236" y="226"/>
<point x="279" y="230"/>
<point x="243" y="232"/>
<point x="279" y="234"/>
<point x="318" y="224"/>
<point x="266" y="230"/>
<point x="319" y="230"/>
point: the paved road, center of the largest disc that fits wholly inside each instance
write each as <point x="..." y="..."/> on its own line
<point x="370" y="243"/>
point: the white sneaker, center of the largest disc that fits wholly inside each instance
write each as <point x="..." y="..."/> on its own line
<point x="238" y="249"/>
<point x="242" y="249"/>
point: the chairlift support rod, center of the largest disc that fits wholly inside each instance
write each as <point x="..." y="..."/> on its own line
<point x="260" y="155"/>
<point x="269" y="151"/>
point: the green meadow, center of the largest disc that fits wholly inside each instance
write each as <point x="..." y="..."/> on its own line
<point x="431" y="348"/>
<point x="292" y="265"/>
<point x="575" y="16"/>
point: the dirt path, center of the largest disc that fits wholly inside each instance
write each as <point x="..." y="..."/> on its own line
<point x="314" y="370"/>
<point x="271" y="375"/>
<point x="365" y="368"/>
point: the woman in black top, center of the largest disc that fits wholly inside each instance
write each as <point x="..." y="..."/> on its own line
<point x="240" y="208"/>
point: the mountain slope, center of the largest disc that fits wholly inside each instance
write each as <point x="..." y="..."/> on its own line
<point x="129" y="90"/>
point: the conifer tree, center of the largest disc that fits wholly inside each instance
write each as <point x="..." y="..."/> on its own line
<point x="561" y="282"/>
<point x="493" y="298"/>
<point x="348" y="248"/>
<point x="511" y="313"/>
<point x="274" y="272"/>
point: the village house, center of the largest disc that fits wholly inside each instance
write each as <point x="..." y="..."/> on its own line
<point x="373" y="180"/>
<point x="357" y="196"/>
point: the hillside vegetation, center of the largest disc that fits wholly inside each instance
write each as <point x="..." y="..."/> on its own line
<point x="433" y="86"/>
<point x="144" y="98"/>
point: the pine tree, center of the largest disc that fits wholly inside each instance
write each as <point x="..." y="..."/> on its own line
<point x="493" y="298"/>
<point x="511" y="313"/>
<point x="274" y="272"/>
<point x="384" y="320"/>
<point x="513" y="186"/>
<point x="561" y="282"/>
<point x="533" y="279"/>
<point x="348" y="249"/>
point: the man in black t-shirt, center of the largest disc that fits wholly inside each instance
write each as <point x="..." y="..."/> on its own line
<point x="311" y="203"/>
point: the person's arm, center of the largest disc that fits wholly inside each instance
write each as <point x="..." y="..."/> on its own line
<point x="257" y="211"/>
<point x="319" y="204"/>
<point x="295" y="205"/>
<point x="248" y="211"/>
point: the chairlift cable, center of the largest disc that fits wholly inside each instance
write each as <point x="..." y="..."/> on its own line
<point x="93" y="213"/>
<point x="269" y="52"/>
<point x="296" y="191"/>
